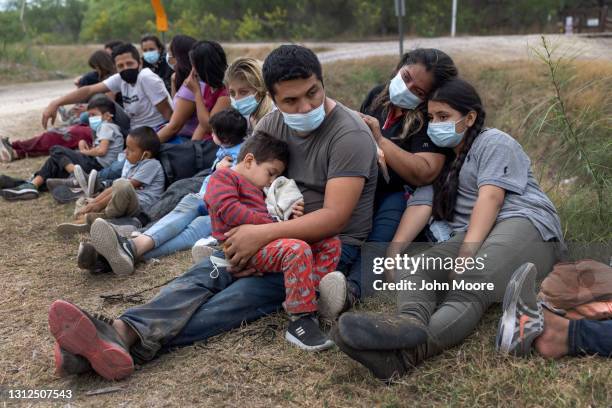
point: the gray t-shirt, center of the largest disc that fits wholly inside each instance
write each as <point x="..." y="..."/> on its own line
<point x="341" y="147"/>
<point x="111" y="132"/>
<point x="140" y="99"/>
<point x="497" y="159"/>
<point x="150" y="174"/>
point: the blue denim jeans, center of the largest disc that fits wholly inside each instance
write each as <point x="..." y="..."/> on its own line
<point x="196" y="306"/>
<point x="179" y="229"/>
<point x="387" y="216"/>
<point x="112" y="172"/>
<point x="589" y="337"/>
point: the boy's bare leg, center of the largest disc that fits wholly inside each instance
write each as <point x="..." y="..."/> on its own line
<point x="553" y="342"/>
<point x="127" y="334"/>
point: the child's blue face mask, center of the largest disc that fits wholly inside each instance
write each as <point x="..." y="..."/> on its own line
<point x="168" y="62"/>
<point x="151" y="56"/>
<point x="95" y="122"/>
<point x="305" y="122"/>
<point x="400" y="95"/>
<point x="443" y="134"/>
<point x="246" y="105"/>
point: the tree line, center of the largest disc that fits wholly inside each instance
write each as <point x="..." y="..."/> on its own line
<point x="69" y="21"/>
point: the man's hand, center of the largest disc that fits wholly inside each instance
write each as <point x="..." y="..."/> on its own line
<point x="49" y="113"/>
<point x="298" y="209"/>
<point x="242" y="243"/>
<point x="226" y="163"/>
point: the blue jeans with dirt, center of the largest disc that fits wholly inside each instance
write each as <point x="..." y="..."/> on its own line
<point x="196" y="306"/>
<point x="179" y="229"/>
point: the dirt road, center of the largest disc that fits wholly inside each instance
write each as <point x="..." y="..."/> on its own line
<point x="21" y="104"/>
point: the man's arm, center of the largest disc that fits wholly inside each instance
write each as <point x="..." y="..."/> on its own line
<point x="165" y="109"/>
<point x="78" y="95"/>
<point x="341" y="197"/>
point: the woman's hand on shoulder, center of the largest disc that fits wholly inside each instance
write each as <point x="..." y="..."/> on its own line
<point x="192" y="83"/>
<point x="373" y="124"/>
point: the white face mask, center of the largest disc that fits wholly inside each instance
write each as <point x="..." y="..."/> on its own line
<point x="400" y="95"/>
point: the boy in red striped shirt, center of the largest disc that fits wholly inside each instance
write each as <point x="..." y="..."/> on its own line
<point x="235" y="197"/>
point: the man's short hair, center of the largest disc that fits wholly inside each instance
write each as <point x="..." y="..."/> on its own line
<point x="229" y="126"/>
<point x="125" y="49"/>
<point x="112" y="44"/>
<point x="289" y="62"/>
<point x="265" y="147"/>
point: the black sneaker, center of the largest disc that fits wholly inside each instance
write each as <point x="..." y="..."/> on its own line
<point x="378" y="331"/>
<point x="64" y="194"/>
<point x="67" y="363"/>
<point x="24" y="191"/>
<point x="306" y="334"/>
<point x="90" y="260"/>
<point x="117" y="250"/>
<point x="92" y="337"/>
<point x="7" y="154"/>
<point x="9" y="182"/>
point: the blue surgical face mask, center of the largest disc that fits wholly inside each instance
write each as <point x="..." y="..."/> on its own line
<point x="400" y="95"/>
<point x="95" y="122"/>
<point x="246" y="105"/>
<point x="168" y="62"/>
<point x="151" y="56"/>
<point x="443" y="134"/>
<point x="305" y="122"/>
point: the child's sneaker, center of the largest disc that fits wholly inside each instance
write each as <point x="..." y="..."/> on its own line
<point x="334" y="296"/>
<point x="203" y="248"/>
<point x="7" y="154"/>
<point x="81" y="177"/>
<point x="117" y="250"/>
<point x="53" y="183"/>
<point x="68" y="229"/>
<point x="522" y="321"/>
<point x="93" y="185"/>
<point x="306" y="334"/>
<point x="24" y="191"/>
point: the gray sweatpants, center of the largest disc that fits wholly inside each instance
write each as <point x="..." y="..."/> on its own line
<point x="452" y="315"/>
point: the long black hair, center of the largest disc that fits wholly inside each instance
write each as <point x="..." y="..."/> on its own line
<point x="462" y="97"/>
<point x="209" y="60"/>
<point x="179" y="48"/>
<point x="441" y="67"/>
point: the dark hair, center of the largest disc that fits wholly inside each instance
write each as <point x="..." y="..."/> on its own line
<point x="179" y="48"/>
<point x="462" y="97"/>
<point x="289" y="62"/>
<point x="209" y="60"/>
<point x="103" y="63"/>
<point x="102" y="103"/>
<point x="229" y="126"/>
<point x="265" y="147"/>
<point x="112" y="44"/>
<point x="126" y="49"/>
<point x="155" y="39"/>
<point x="436" y="62"/>
<point x="146" y="139"/>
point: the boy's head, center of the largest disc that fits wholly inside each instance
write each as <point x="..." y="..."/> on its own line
<point x="262" y="159"/>
<point x="229" y="127"/>
<point x="141" y="143"/>
<point x="101" y="106"/>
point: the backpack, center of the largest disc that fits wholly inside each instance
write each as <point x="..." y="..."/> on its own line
<point x="184" y="160"/>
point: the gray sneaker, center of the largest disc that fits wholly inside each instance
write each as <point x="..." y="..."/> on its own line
<point x="24" y="191"/>
<point x="81" y="177"/>
<point x="7" y="154"/>
<point x="522" y="321"/>
<point x="117" y="250"/>
<point x="91" y="184"/>
<point x="53" y="183"/>
<point x="334" y="296"/>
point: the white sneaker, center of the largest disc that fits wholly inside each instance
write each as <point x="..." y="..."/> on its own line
<point x="81" y="178"/>
<point x="333" y="295"/>
<point x="203" y="248"/>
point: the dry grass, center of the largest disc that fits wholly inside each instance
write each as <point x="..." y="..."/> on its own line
<point x="254" y="365"/>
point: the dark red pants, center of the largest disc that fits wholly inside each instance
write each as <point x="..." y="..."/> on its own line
<point x="40" y="145"/>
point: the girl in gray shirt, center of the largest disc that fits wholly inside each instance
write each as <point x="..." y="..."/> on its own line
<point x="500" y="218"/>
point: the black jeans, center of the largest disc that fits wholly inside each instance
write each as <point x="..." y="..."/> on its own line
<point x="60" y="157"/>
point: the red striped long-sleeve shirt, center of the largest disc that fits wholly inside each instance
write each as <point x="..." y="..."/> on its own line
<point x="233" y="201"/>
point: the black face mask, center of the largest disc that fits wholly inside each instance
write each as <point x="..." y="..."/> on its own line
<point x="129" y="75"/>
